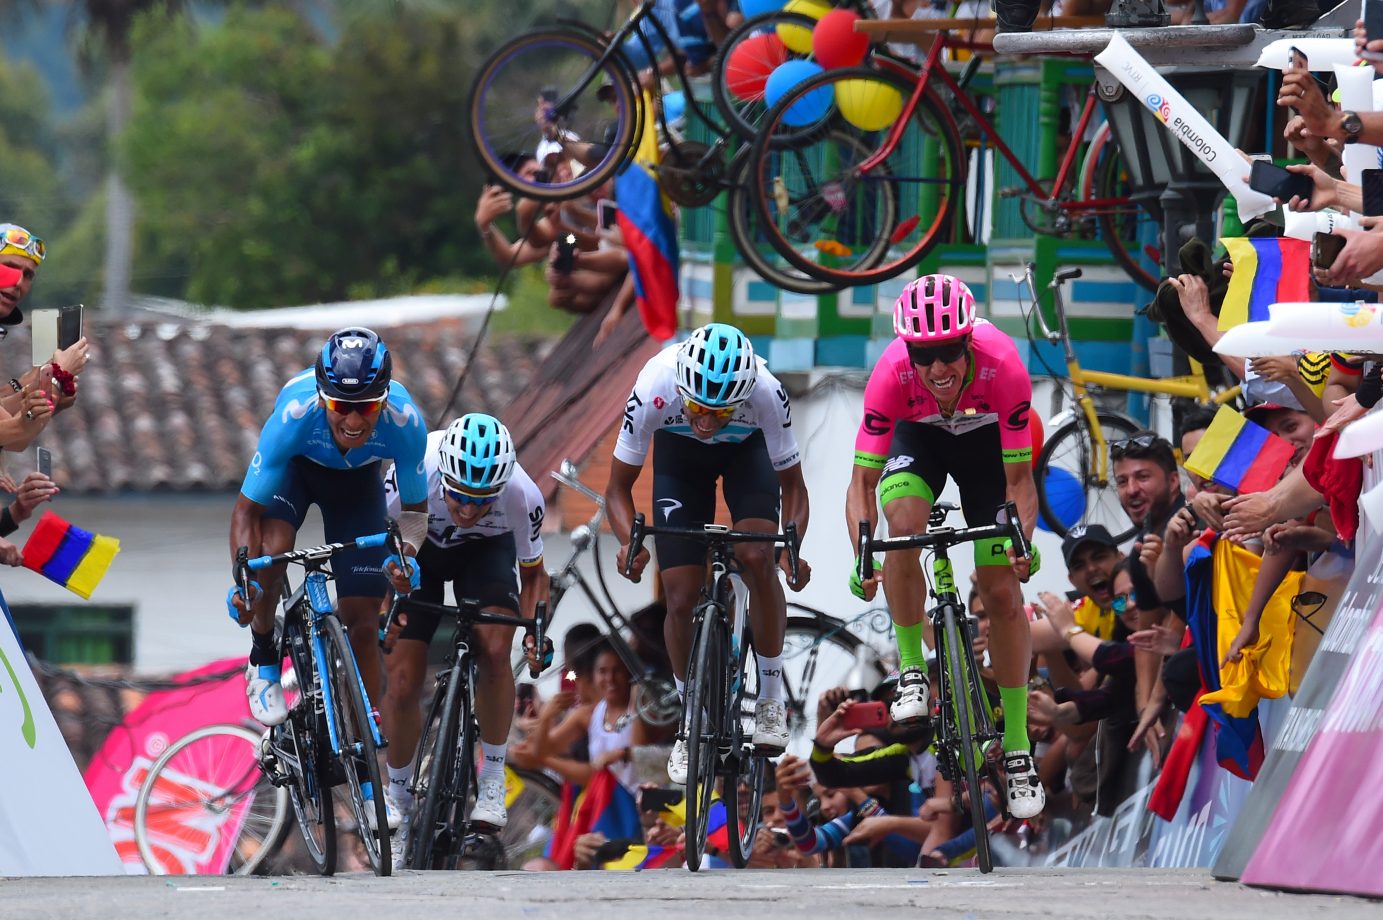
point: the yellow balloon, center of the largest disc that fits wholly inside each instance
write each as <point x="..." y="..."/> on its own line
<point x="869" y="105"/>
<point x="799" y="38"/>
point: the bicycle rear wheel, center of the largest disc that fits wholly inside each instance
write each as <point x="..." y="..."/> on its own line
<point x="820" y="652"/>
<point x="600" y="115"/>
<point x="959" y="665"/>
<point x="354" y="731"/>
<point x="206" y="794"/>
<point x="822" y="210"/>
<point x="531" y="816"/>
<point x="1073" y="486"/>
<point x="705" y="707"/>
<point x="303" y="741"/>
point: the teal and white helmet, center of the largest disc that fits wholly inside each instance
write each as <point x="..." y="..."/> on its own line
<point x="477" y="453"/>
<point x="716" y="367"/>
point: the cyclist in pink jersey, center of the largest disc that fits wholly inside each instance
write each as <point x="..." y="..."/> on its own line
<point x="950" y="398"/>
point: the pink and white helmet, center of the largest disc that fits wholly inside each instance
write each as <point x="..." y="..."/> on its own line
<point x="933" y="308"/>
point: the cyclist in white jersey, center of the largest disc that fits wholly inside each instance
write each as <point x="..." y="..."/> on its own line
<point x="713" y="411"/>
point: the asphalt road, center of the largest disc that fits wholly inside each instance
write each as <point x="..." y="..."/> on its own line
<point x="1011" y="894"/>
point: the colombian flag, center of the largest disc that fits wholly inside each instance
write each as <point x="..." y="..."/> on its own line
<point x="650" y="232"/>
<point x="1267" y="270"/>
<point x="68" y="555"/>
<point x="638" y="856"/>
<point x="603" y="805"/>
<point x="1240" y="454"/>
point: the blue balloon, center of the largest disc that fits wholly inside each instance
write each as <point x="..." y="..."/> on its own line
<point x="785" y="77"/>
<point x="1066" y="498"/>
<point x="752" y="8"/>
<point x="674" y="105"/>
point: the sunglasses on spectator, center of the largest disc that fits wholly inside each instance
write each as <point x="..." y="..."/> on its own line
<point x="1306" y="605"/>
<point x="1120" y="604"/>
<point x="924" y="355"/>
<point x="366" y="407"/>
<point x="462" y="497"/>
<point x="21" y="242"/>
<point x="1139" y="442"/>
<point x="695" y="408"/>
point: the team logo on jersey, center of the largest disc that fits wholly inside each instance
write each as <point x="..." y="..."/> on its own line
<point x="404" y="416"/>
<point x="630" y="406"/>
<point x="1018" y="419"/>
<point x="256" y="462"/>
<point x="535" y="521"/>
<point x="668" y="505"/>
<point x="902" y="461"/>
<point x="787" y="407"/>
<point x="296" y="410"/>
<point x="876" y="423"/>
<point x="659" y="402"/>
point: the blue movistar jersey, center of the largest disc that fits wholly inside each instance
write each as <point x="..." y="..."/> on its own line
<point x="299" y="428"/>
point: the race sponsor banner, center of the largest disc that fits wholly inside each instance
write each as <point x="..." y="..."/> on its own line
<point x="1323" y="835"/>
<point x="189" y="840"/>
<point x="48" y="823"/>
<point x="1353" y="613"/>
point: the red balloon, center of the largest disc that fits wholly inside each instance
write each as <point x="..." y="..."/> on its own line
<point x="835" y="43"/>
<point x="1039" y="436"/>
<point x="750" y="64"/>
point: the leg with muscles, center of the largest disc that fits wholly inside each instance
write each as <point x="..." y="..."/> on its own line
<point x="768" y="617"/>
<point x="494" y="711"/>
<point x="681" y="586"/>
<point x="263" y="676"/>
<point x="907" y="503"/>
<point x="401" y="717"/>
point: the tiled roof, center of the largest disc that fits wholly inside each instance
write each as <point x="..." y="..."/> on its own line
<point x="179" y="406"/>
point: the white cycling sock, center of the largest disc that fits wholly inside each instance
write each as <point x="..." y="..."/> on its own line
<point x="398" y="780"/>
<point x="492" y="760"/>
<point x="771" y="677"/>
<point x="681" y="688"/>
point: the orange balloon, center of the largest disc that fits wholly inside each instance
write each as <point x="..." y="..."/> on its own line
<point x="1039" y="434"/>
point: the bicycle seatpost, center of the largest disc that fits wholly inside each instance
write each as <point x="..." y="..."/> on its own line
<point x="866" y="560"/>
<point x="635" y="544"/>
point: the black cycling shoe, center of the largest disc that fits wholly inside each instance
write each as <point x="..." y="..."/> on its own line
<point x="1015" y="15"/>
<point x="1290" y="14"/>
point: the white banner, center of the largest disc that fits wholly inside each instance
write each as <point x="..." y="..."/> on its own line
<point x="48" y="822"/>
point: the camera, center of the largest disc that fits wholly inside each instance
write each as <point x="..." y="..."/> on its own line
<point x="565" y="259"/>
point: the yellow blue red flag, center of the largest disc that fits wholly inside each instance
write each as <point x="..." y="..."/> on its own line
<point x="646" y="221"/>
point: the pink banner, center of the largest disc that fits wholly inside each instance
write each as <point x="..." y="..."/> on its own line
<point x="1324" y="834"/>
<point x="186" y="841"/>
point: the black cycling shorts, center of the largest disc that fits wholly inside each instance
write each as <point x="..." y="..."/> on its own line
<point x="685" y="471"/>
<point x="483" y="570"/>
<point x="921" y="457"/>
<point x="352" y="505"/>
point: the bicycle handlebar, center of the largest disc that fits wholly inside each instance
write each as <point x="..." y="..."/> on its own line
<point x="712" y="534"/>
<point x="315" y="553"/>
<point x="944" y="538"/>
<point x="1060" y="278"/>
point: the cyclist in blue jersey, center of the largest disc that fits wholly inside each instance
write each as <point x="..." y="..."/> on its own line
<point x="331" y="429"/>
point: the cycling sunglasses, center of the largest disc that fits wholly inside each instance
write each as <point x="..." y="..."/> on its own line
<point x="1138" y="442"/>
<point x="18" y="241"/>
<point x="462" y="497"/>
<point x="924" y="355"/>
<point x="366" y="407"/>
<point x="695" y="408"/>
<point x="1121" y="604"/>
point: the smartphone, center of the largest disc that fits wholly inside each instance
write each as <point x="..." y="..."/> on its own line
<point x="1373" y="192"/>
<point x="656" y="798"/>
<point x="568" y="682"/>
<point x="1325" y="247"/>
<point x="43" y="327"/>
<point x="1373" y="27"/>
<point x="43" y="461"/>
<point x="1279" y="183"/>
<point x="866" y="715"/>
<point x="565" y="260"/>
<point x="69" y="325"/>
<point x="606" y="212"/>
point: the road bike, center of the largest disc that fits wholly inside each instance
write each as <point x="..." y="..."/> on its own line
<point x="1076" y="456"/>
<point x="444" y="777"/>
<point x="967" y="743"/>
<point x="876" y="164"/>
<point x="722" y="676"/>
<point x="331" y="737"/>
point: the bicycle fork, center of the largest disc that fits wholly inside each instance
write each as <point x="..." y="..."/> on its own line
<point x="321" y="609"/>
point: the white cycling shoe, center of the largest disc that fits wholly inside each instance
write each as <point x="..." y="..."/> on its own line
<point x="265" y="692"/>
<point x="770" y="727"/>
<point x="1026" y="797"/>
<point x="393" y="817"/>
<point x="489" y="804"/>
<point x="913" y="700"/>
<point x="677" y="763"/>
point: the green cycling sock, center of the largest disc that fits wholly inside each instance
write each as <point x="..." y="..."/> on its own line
<point x="1015" y="702"/>
<point x="910" y="651"/>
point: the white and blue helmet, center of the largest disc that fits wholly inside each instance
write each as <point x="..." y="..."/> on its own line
<point x="477" y="453"/>
<point x="716" y="367"/>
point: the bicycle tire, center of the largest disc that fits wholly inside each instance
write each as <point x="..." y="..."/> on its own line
<point x="744" y="780"/>
<point x="806" y="675"/>
<point x="1121" y="227"/>
<point x="550" y="58"/>
<point x="834" y="223"/>
<point x="1071" y="451"/>
<point x="705" y="702"/>
<point x="743" y="115"/>
<point x="462" y="775"/>
<point x="354" y="731"/>
<point x="531" y="817"/>
<point x="309" y="786"/>
<point x="203" y="781"/>
<point x="961" y="705"/>
<point x="431" y="770"/>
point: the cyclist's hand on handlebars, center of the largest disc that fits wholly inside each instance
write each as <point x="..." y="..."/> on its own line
<point x="391" y="635"/>
<point x="865" y="590"/>
<point x="1024" y="568"/>
<point x="640" y="562"/>
<point x="530" y="653"/>
<point x="804" y="572"/>
<point x="240" y="603"/>
<point x="404" y="582"/>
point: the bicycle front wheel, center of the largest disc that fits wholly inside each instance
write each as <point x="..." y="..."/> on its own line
<point x="705" y="706"/>
<point x="748" y="55"/>
<point x="205" y="794"/>
<point x="743" y="789"/>
<point x="301" y="745"/>
<point x="840" y="203"/>
<point x="1075" y="481"/>
<point x="959" y="666"/>
<point x="354" y="731"/>
<point x="566" y="78"/>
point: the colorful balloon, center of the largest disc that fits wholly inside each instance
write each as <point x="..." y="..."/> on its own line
<point x="1066" y="498"/>
<point x="870" y="105"/>
<point x="752" y="8"/>
<point x="835" y="43"/>
<point x="799" y="38"/>
<point x="784" y="78"/>
<point x="750" y="64"/>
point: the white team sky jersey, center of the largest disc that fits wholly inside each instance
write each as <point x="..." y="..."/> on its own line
<point x="519" y="510"/>
<point x="655" y="403"/>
